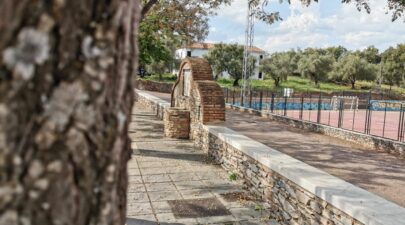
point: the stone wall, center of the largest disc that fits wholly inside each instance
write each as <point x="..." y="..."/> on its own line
<point x="148" y="85"/>
<point x="382" y="144"/>
<point x="291" y="204"/>
<point x="298" y="193"/>
<point x="157" y="105"/>
<point x="177" y="123"/>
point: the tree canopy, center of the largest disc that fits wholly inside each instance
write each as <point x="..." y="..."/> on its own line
<point x="393" y="65"/>
<point x="229" y="58"/>
<point x="168" y="24"/>
<point x="396" y="7"/>
<point x="278" y="67"/>
<point x="315" y="66"/>
<point x="352" y="68"/>
<point x="370" y="54"/>
<point x="337" y="64"/>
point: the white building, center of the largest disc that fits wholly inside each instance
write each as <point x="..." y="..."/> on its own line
<point x="201" y="49"/>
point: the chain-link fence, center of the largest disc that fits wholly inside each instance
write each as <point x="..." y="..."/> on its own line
<point x="367" y="113"/>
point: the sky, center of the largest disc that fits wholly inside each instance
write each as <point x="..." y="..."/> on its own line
<point x="322" y="24"/>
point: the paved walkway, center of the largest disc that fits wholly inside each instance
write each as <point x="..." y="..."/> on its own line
<point x="170" y="182"/>
<point x="377" y="172"/>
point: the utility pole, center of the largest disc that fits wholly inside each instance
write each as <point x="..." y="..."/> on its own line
<point x="249" y="37"/>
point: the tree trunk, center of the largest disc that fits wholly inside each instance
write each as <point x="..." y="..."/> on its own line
<point x="65" y="102"/>
<point x="314" y="78"/>
<point x="353" y="82"/>
<point x="277" y="82"/>
<point x="236" y="82"/>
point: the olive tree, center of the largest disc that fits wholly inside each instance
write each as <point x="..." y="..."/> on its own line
<point x="277" y="67"/>
<point x="352" y="68"/>
<point x="229" y="58"/>
<point x="315" y="66"/>
<point x="393" y="65"/>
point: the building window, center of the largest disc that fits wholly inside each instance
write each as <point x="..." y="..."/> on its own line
<point x="260" y="75"/>
<point x="188" y="53"/>
<point x="261" y="56"/>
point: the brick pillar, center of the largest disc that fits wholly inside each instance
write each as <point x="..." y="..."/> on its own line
<point x="177" y="123"/>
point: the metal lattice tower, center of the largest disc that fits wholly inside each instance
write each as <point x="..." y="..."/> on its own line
<point x="249" y="37"/>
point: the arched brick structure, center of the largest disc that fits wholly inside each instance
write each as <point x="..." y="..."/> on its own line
<point x="195" y="90"/>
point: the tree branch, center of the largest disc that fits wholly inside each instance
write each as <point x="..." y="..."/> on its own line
<point x="147" y="7"/>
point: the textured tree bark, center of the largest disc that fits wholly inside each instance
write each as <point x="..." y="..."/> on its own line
<point x="65" y="99"/>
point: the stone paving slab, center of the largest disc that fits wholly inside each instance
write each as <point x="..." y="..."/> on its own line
<point x="163" y="170"/>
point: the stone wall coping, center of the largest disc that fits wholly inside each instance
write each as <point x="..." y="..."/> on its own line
<point x="158" y="101"/>
<point x="362" y="205"/>
<point x="358" y="203"/>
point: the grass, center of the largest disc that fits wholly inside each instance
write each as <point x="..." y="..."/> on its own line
<point x="165" y="78"/>
<point x="233" y="176"/>
<point x="299" y="84"/>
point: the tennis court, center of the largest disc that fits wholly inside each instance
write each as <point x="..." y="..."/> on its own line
<point x="382" y="118"/>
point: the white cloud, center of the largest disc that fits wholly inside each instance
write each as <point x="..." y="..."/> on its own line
<point x="288" y="41"/>
<point x="311" y="27"/>
<point x="237" y="11"/>
<point x="305" y="27"/>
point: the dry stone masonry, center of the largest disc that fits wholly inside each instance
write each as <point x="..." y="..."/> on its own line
<point x="177" y="123"/>
<point x="291" y="204"/>
<point x="149" y="85"/>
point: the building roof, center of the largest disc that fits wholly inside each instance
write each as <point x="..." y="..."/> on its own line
<point x="201" y="45"/>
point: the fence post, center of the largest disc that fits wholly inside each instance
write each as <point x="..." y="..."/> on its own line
<point x="302" y="105"/>
<point x="340" y="119"/>
<point x="233" y="97"/>
<point x="385" y="117"/>
<point x="403" y="123"/>
<point x="310" y="106"/>
<point x="272" y="102"/>
<point x="250" y="98"/>
<point x="242" y="99"/>
<point x="318" y="119"/>
<point x="285" y="105"/>
<point x="368" y="115"/>
<point x="261" y="100"/>
<point x="400" y="125"/>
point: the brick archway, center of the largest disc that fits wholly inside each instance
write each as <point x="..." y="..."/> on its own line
<point x="196" y="91"/>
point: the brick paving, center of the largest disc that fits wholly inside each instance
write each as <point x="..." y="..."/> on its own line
<point x="165" y="173"/>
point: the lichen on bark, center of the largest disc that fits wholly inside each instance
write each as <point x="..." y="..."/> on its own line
<point x="32" y="49"/>
<point x="65" y="72"/>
